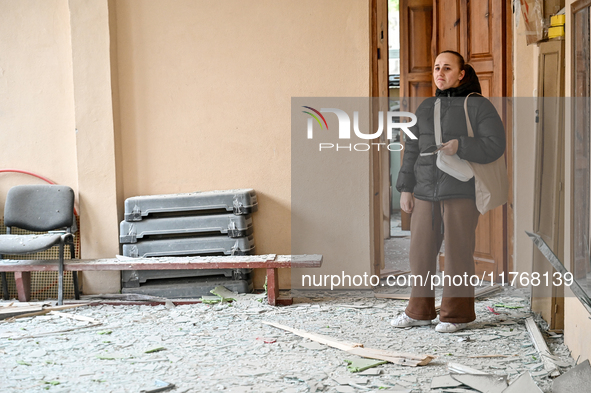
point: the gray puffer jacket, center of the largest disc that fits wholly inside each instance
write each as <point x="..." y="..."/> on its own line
<point x="419" y="174"/>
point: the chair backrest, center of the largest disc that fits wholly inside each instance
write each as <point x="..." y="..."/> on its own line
<point x="39" y="208"/>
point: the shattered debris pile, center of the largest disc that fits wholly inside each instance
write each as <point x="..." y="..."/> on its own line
<point x="325" y="342"/>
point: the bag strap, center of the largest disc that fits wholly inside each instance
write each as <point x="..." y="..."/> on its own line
<point x="437" y="121"/>
<point x="470" y="131"/>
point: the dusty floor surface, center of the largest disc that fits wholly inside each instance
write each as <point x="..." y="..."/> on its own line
<point x="226" y="347"/>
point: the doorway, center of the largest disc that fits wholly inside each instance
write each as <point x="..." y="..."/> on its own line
<point x="481" y="32"/>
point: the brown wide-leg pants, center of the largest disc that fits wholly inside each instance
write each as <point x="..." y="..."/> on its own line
<point x="460" y="218"/>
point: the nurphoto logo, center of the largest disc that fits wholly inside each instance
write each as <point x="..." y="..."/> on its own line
<point x="344" y="130"/>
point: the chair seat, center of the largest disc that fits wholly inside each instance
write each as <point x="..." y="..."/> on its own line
<point x="28" y="244"/>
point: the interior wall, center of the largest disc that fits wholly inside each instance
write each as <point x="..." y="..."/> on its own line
<point x="525" y="69"/>
<point x="577" y="323"/>
<point x="36" y="94"/>
<point x="95" y="140"/>
<point x="205" y="90"/>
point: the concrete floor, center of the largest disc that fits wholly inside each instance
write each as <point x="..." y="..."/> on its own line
<point x="226" y="347"/>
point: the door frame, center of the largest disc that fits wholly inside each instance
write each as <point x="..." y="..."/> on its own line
<point x="376" y="86"/>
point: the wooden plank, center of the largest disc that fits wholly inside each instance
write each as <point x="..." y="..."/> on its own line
<point x="541" y="347"/>
<point x="9" y="312"/>
<point x="23" y="285"/>
<point x="405" y="359"/>
<point x="322" y="339"/>
<point x="46" y="310"/>
<point x="272" y="286"/>
<point x="166" y="263"/>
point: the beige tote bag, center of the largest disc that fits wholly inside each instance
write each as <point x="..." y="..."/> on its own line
<point x="491" y="182"/>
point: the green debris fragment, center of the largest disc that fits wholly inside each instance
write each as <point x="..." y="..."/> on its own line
<point x="357" y="365"/>
<point x="210" y="299"/>
<point x="155" y="350"/>
<point x="54" y="383"/>
<point x="224" y="293"/>
<point x="22" y="363"/>
<point x="105" y="332"/>
<point x="503" y="305"/>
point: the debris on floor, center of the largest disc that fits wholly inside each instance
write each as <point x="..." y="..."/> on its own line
<point x="577" y="379"/>
<point x="227" y="347"/>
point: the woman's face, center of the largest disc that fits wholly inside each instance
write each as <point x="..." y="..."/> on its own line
<point x="446" y="71"/>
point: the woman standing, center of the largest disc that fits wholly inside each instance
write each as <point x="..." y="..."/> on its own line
<point x="443" y="206"/>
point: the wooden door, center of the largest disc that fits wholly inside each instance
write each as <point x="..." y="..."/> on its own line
<point x="416" y="61"/>
<point x="380" y="164"/>
<point x="478" y="31"/>
<point x="549" y="179"/>
<point x="475" y="29"/>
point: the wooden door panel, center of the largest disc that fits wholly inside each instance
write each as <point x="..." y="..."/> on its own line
<point x="481" y="33"/>
<point x="416" y="60"/>
<point x="448" y="25"/>
<point x="483" y="243"/>
<point x="421" y="89"/>
<point x="475" y="29"/>
<point x="486" y="83"/>
<point x="420" y="23"/>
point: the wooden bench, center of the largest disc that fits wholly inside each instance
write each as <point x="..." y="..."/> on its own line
<point x="22" y="268"/>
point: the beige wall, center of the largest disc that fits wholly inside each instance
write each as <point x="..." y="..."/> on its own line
<point x="205" y="91"/>
<point x="524" y="85"/>
<point x="37" y="131"/>
<point x="577" y="323"/>
<point x="95" y="140"/>
<point x="124" y="98"/>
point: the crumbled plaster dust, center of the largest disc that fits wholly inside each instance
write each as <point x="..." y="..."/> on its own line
<point x="225" y="347"/>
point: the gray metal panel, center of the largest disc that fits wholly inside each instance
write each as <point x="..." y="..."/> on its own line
<point x="231" y="224"/>
<point x="191" y="288"/>
<point x="191" y="246"/>
<point x="241" y="201"/>
<point x="135" y="278"/>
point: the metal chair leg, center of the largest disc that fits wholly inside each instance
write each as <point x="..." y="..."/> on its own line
<point x="60" y="278"/>
<point x="5" y="294"/>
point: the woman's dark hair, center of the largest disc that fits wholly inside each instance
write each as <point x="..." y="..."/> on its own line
<point x="469" y="73"/>
<point x="460" y="58"/>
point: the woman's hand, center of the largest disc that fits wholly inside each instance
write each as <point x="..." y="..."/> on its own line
<point x="407" y="202"/>
<point x="450" y="147"/>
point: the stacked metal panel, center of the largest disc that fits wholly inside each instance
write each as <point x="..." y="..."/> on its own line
<point x="200" y="223"/>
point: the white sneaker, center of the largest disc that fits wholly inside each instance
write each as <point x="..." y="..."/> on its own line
<point x="449" y="327"/>
<point x="403" y="320"/>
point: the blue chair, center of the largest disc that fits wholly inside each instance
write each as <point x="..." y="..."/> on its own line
<point x="40" y="208"/>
